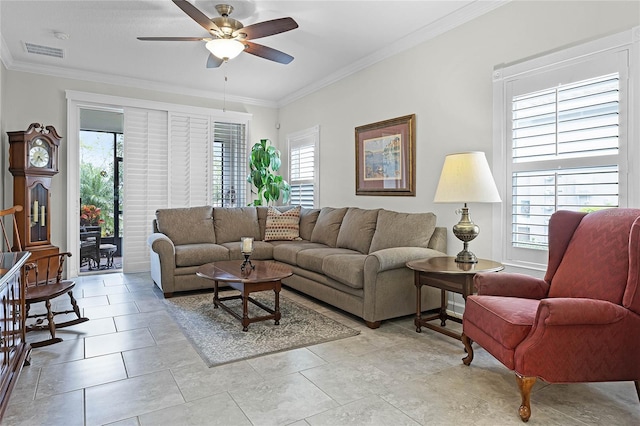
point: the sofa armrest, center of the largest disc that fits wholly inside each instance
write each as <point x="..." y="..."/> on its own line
<point x="511" y="285"/>
<point x="397" y="257"/>
<point x="163" y="261"/>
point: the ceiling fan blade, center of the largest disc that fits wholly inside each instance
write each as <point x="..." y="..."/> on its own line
<point x="267" y="53"/>
<point x="174" y="38"/>
<point x="213" y="61"/>
<point x="197" y="16"/>
<point x="267" y="28"/>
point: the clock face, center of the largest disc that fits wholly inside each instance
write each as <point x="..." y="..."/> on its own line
<point x="39" y="154"/>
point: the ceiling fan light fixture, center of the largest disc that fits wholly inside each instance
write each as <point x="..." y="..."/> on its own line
<point x="225" y="48"/>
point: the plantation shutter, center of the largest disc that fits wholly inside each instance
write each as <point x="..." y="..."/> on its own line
<point x="302" y="167"/>
<point x="565" y="154"/>
<point x="229" y="165"/>
<point x="189" y="165"/>
<point x="145" y="181"/>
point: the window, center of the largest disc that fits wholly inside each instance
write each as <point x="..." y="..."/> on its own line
<point x="564" y="134"/>
<point x="550" y="128"/>
<point x="229" y="165"/>
<point x="303" y="167"/>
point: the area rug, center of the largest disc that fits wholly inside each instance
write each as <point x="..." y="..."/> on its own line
<point x="219" y="339"/>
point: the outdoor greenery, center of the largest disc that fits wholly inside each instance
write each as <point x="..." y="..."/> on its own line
<point x="264" y="161"/>
<point x="97" y="190"/>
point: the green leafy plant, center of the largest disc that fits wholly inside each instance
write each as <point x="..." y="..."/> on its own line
<point x="97" y="191"/>
<point x="264" y="161"/>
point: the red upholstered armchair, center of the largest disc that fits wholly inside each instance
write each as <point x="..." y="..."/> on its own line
<point x="581" y="323"/>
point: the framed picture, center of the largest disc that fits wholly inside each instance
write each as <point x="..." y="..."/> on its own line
<point x="386" y="157"/>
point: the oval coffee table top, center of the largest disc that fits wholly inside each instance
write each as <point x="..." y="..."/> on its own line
<point x="229" y="271"/>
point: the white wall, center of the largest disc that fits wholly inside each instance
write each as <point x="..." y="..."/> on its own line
<point x="28" y="98"/>
<point x="447" y="83"/>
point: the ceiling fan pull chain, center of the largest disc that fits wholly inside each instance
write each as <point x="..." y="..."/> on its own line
<point x="224" y="93"/>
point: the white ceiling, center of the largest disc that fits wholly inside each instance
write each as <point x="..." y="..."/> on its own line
<point x="334" y="39"/>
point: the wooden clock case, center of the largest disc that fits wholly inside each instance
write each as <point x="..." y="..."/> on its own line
<point x="32" y="186"/>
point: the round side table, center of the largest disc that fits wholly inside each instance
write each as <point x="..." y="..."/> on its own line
<point x="447" y="275"/>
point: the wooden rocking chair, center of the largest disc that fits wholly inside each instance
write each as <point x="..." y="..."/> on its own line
<point x="45" y="286"/>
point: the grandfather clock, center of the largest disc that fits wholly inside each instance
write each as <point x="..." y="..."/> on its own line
<point x="33" y="161"/>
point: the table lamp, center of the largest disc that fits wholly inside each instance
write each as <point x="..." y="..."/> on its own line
<point x="466" y="178"/>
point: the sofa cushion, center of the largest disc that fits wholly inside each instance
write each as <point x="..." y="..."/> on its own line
<point x="308" y="219"/>
<point x="191" y="225"/>
<point x="233" y="223"/>
<point x="506" y="319"/>
<point x="357" y="228"/>
<point x="262" y="216"/>
<point x="199" y="254"/>
<point x="345" y="268"/>
<point x="261" y="250"/>
<point x="328" y="226"/>
<point x="287" y="251"/>
<point x="282" y="225"/>
<point x="313" y="258"/>
<point x="402" y="230"/>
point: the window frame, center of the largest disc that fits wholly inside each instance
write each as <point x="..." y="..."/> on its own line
<point x="625" y="45"/>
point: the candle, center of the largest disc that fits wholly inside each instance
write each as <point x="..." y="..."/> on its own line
<point x="247" y="244"/>
<point x="34" y="213"/>
<point x="43" y="216"/>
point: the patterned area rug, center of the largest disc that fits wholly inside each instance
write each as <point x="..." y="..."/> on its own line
<point x="219" y="339"/>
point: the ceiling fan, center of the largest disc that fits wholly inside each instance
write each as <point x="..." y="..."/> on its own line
<point x="229" y="37"/>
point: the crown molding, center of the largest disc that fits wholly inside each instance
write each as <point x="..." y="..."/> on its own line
<point x="117" y="80"/>
<point x="454" y="19"/>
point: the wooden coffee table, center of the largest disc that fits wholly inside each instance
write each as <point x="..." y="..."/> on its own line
<point x="265" y="276"/>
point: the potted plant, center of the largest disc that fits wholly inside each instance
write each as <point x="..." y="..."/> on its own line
<point x="264" y="161"/>
<point x="90" y="216"/>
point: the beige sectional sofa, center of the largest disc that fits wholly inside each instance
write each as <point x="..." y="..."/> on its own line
<point x="351" y="258"/>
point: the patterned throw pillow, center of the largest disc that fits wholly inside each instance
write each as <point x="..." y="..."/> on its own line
<point x="282" y="225"/>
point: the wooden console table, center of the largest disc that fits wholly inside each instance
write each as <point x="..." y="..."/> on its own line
<point x="14" y="350"/>
<point x="447" y="275"/>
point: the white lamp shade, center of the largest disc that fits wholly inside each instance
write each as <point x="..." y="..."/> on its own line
<point x="224" y="48"/>
<point x="466" y="178"/>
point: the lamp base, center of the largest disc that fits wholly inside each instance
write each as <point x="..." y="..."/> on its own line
<point x="465" y="256"/>
<point x="465" y="231"/>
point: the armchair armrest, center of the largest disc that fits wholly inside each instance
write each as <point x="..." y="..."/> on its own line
<point x="579" y="311"/>
<point x="510" y="285"/>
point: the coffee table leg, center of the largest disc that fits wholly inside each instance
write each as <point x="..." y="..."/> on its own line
<point x="245" y="311"/>
<point x="277" y="305"/>
<point x="216" y="300"/>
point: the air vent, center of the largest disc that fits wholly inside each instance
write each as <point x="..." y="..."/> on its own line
<point x="38" y="49"/>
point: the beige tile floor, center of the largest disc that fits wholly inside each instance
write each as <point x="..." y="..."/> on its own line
<point x="131" y="365"/>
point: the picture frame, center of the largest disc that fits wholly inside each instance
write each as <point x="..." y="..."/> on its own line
<point x="385" y="157"/>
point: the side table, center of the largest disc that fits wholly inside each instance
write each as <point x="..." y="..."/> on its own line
<point x="447" y="275"/>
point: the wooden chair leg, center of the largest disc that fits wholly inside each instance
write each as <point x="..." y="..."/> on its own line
<point x="52" y="325"/>
<point x="637" y="382"/>
<point x="468" y="348"/>
<point x="525" y="384"/>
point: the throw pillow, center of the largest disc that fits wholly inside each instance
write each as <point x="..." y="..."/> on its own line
<point x="282" y="225"/>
